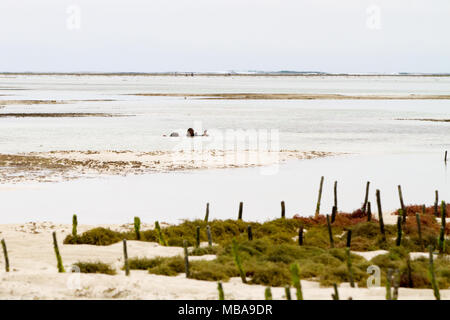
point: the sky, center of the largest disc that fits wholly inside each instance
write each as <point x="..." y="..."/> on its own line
<point x="348" y="36"/>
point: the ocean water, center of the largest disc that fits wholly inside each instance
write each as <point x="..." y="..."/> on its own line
<point x="380" y="148"/>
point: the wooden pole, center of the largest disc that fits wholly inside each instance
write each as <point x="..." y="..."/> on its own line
<point x="319" y="198"/>
<point x="335" y="195"/>
<point x="283" y="210"/>
<point x="5" y="253"/>
<point x="241" y="207"/>
<point x="402" y="205"/>
<point x="380" y="215"/>
<point x="125" y="257"/>
<point x="366" y="198"/>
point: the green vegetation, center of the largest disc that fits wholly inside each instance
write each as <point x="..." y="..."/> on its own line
<point x="95" y="267"/>
<point x="58" y="255"/>
<point x="266" y="257"/>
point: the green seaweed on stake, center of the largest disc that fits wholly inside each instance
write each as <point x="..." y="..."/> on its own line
<point x="349" y="267"/>
<point x="74" y="227"/>
<point x="268" y="294"/>
<point x="295" y="273"/>
<point x="186" y="260"/>
<point x="207" y="212"/>
<point x="237" y="260"/>
<point x="162" y="240"/>
<point x="5" y="254"/>
<point x="137" y="228"/>
<point x="208" y="233"/>
<point x="432" y="275"/>
<point x="58" y="255"/>
<point x="220" y="289"/>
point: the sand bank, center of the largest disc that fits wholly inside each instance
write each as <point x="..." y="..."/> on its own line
<point x="34" y="274"/>
<point x="296" y="96"/>
<point x="65" y="165"/>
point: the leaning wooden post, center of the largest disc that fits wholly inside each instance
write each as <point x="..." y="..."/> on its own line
<point x="436" y="203"/>
<point x="445" y="157"/>
<point x="380" y="215"/>
<point x="249" y="233"/>
<point x="335" y="195"/>
<point x="335" y="295"/>
<point x="419" y="230"/>
<point x="283" y="210"/>
<point x="207" y="212"/>
<point x="241" y="207"/>
<point x="125" y="258"/>
<point x="369" y="212"/>
<point x="58" y="255"/>
<point x="186" y="258"/>
<point x="366" y="198"/>
<point x="319" y="198"/>
<point x="402" y="205"/>
<point x="399" y="231"/>
<point x="330" y="233"/>
<point x="5" y="254"/>
<point x="432" y="275"/>
<point x="208" y="233"/>
<point x="300" y="236"/>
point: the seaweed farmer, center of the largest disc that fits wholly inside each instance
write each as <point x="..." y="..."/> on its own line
<point x="190" y="132"/>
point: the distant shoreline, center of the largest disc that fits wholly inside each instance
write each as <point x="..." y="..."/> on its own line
<point x="225" y="74"/>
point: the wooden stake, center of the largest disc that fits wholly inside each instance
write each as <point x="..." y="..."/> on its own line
<point x="380" y="215"/>
<point x="125" y="257"/>
<point x="402" y="205"/>
<point x="5" y="254"/>
<point x="330" y="232"/>
<point x="208" y="232"/>
<point x="319" y="198"/>
<point x="283" y="210"/>
<point x="207" y="212"/>
<point x="335" y="195"/>
<point x="186" y="259"/>
<point x="366" y="198"/>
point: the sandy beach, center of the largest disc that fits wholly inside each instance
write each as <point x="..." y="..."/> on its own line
<point x="34" y="274"/>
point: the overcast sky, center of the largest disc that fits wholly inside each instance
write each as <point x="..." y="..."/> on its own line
<point x="216" y="35"/>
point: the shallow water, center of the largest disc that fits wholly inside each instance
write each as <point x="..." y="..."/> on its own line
<point x="384" y="150"/>
<point x="183" y="195"/>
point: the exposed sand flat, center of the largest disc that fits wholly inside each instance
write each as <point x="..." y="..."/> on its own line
<point x="29" y="102"/>
<point x="431" y="120"/>
<point x="57" y="115"/>
<point x="64" y="165"/>
<point x="295" y="96"/>
<point x="34" y="274"/>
